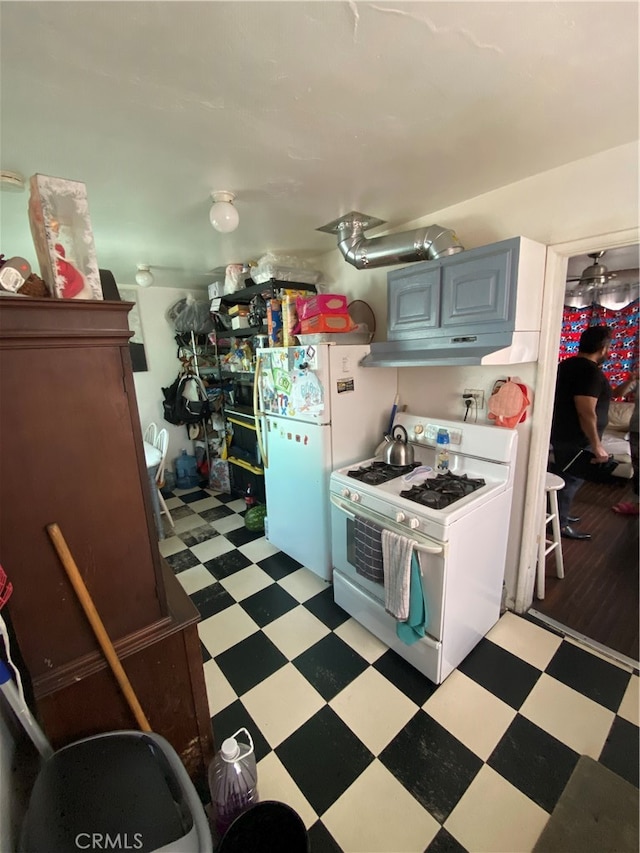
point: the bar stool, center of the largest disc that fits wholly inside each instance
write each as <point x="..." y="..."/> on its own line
<point x="553" y="484"/>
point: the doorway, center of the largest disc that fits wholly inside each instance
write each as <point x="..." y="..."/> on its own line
<point x="598" y="598"/>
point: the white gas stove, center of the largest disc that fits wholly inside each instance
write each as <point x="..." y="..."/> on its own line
<point x="457" y="522"/>
<point x="477" y="452"/>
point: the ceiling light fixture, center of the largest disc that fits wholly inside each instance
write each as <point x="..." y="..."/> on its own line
<point x="223" y="215"/>
<point x="144" y="276"/>
<point x="12" y="181"/>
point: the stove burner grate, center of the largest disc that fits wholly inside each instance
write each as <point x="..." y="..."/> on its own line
<point x="443" y="490"/>
<point x="378" y="472"/>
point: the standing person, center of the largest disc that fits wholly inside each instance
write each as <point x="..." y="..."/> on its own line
<point x="581" y="412"/>
<point x="633" y="507"/>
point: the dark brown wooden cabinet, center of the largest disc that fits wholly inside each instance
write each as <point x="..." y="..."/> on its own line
<point x="71" y="452"/>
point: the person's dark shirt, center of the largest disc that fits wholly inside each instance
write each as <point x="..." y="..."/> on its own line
<point x="578" y="377"/>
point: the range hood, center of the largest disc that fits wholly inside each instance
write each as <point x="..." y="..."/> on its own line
<point x="499" y="348"/>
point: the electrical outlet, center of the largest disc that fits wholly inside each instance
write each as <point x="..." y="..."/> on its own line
<point x="477" y="395"/>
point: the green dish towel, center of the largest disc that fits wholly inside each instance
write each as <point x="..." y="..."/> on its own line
<point x="415" y="627"/>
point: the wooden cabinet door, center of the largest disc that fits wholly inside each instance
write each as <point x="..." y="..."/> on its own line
<point x="71" y="453"/>
<point x="478" y="294"/>
<point x="413" y="301"/>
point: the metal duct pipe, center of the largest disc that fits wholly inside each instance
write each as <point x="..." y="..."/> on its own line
<point x="363" y="252"/>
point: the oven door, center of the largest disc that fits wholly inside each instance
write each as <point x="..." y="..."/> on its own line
<point x="431" y="553"/>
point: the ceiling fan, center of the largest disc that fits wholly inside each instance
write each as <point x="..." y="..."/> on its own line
<point x="593" y="277"/>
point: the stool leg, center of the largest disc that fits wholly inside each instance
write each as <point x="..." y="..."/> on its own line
<point x="555" y="526"/>
<point x="542" y="559"/>
<point x="165" y="510"/>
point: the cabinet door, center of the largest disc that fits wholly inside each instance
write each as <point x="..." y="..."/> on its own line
<point x="414" y="301"/>
<point x="479" y="291"/>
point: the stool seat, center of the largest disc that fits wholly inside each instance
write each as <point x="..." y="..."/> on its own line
<point x="554" y="482"/>
<point x="550" y="515"/>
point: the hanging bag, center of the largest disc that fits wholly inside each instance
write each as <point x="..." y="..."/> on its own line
<point x="185" y="401"/>
<point x="583" y="466"/>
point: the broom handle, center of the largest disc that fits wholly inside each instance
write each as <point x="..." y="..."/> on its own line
<point x="96" y="623"/>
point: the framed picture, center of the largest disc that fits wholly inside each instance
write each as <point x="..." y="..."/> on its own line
<point x="136" y="343"/>
<point x="63" y="239"/>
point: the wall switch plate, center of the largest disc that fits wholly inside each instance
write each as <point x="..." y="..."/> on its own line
<point x="477" y="395"/>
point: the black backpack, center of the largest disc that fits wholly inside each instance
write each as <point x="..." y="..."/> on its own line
<point x="179" y="410"/>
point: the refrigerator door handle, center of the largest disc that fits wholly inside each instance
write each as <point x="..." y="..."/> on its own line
<point x="257" y="414"/>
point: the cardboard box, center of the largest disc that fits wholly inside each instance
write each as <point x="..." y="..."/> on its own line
<point x="63" y="239"/>
<point x="238" y="310"/>
<point x="322" y="303"/>
<point x="290" y="322"/>
<point x="274" y="322"/>
<point x="327" y="323"/>
<point x="240" y="322"/>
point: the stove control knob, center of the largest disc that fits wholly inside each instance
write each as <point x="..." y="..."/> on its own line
<point x="414" y="523"/>
<point x="355" y="497"/>
<point x="345" y="493"/>
<point x="400" y="516"/>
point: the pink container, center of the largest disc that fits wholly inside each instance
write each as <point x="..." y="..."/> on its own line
<point x="321" y="303"/>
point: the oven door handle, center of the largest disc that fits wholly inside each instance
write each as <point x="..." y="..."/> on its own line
<point x="381" y="521"/>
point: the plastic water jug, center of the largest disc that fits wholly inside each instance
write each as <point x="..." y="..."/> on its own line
<point x="233" y="780"/>
<point x="186" y="471"/>
<point x="442" y="450"/>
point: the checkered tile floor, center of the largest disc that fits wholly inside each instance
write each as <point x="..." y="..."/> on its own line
<point x="372" y="755"/>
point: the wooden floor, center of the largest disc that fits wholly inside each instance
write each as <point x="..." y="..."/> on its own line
<point x="599" y="594"/>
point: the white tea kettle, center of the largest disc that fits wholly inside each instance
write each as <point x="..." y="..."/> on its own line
<point x="397" y="451"/>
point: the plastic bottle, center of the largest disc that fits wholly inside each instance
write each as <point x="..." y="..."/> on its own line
<point x="182" y="470"/>
<point x="249" y="497"/>
<point x="442" y="450"/>
<point x="233" y="781"/>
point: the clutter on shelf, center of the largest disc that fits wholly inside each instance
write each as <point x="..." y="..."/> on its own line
<point x="326" y="318"/>
<point x="195" y="353"/>
<point x="16" y="277"/>
<point x="282" y="317"/>
<point x="239" y="357"/>
<point x="190" y="315"/>
<point x="284" y="268"/>
<point x="234" y="278"/>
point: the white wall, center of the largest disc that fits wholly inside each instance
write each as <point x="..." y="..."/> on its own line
<point x="588" y="197"/>
<point x="162" y="361"/>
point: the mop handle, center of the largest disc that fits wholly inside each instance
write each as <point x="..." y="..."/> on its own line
<point x="96" y="623"/>
<point x="22" y="712"/>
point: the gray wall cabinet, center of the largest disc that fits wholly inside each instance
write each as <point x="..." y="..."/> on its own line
<point x="467" y="293"/>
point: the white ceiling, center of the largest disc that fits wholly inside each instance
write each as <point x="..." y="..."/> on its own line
<point x="305" y="109"/>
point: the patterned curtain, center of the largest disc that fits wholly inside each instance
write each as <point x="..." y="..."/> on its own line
<point x="623" y="356"/>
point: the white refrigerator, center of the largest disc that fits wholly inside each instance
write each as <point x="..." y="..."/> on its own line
<point x="316" y="410"/>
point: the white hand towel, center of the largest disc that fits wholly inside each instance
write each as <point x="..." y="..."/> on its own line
<point x="396" y="562"/>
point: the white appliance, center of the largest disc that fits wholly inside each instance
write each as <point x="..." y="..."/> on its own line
<point x="462" y="546"/>
<point x="317" y="410"/>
